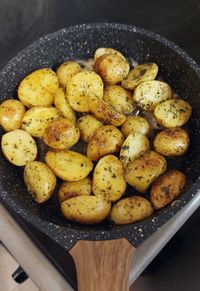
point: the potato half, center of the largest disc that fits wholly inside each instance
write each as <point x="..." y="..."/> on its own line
<point x="66" y="71"/>
<point x="61" y="103"/>
<point x="88" y="124"/>
<point x="135" y="124"/>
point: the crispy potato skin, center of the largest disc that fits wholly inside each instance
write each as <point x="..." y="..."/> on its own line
<point x="88" y="125"/>
<point x="61" y="103"/>
<point x="66" y="71"/>
<point x="135" y="124"/>
<point x="167" y="188"/>
<point x="106" y="50"/>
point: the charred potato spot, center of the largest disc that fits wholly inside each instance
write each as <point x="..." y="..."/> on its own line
<point x="135" y="124"/>
<point x="88" y="125"/>
<point x="66" y="71"/>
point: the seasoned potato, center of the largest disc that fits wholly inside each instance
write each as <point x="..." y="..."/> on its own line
<point x="61" y="103"/>
<point x="148" y="94"/>
<point x="18" y="147"/>
<point x="88" y="124"/>
<point x="108" y="178"/>
<point x="106" y="50"/>
<point x="135" y="124"/>
<point x="142" y="171"/>
<point x="172" y="142"/>
<point x="173" y="113"/>
<point x="167" y="188"/>
<point x="66" y="71"/>
<point x="68" y="165"/>
<point x="81" y="87"/>
<point x="37" y="89"/>
<point x="119" y="98"/>
<point x="104" y="112"/>
<point x="140" y="74"/>
<point x="131" y="209"/>
<point x="134" y="145"/>
<point x="106" y="140"/>
<point x="40" y="181"/>
<point x="76" y="188"/>
<point x="86" y="209"/>
<point x="11" y="114"/>
<point x="36" y="119"/>
<point x="112" y="68"/>
<point x="61" y="134"/>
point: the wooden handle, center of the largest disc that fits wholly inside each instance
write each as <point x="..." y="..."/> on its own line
<point x="103" y="265"/>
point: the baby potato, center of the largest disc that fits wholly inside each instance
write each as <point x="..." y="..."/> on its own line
<point x="61" y="134"/>
<point x="18" y="147"/>
<point x="131" y="209"/>
<point x="150" y="93"/>
<point x="40" y="181"/>
<point x="167" y="188"/>
<point x="66" y="71"/>
<point x="112" y="68"/>
<point x="142" y="171"/>
<point x="88" y="124"/>
<point x="119" y="98"/>
<point x="172" y="142"/>
<point x="135" y="124"/>
<point x="106" y="140"/>
<point x="36" y="119"/>
<point x="106" y="50"/>
<point x="134" y="145"/>
<point x="11" y="114"/>
<point x="173" y="113"/>
<point x="68" y="165"/>
<point x="108" y="178"/>
<point x="80" y="87"/>
<point x="86" y="209"/>
<point x="37" y="88"/>
<point x="61" y="103"/>
<point x="140" y="74"/>
<point x="76" y="188"/>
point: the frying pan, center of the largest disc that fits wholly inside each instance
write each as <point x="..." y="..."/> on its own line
<point x="102" y="253"/>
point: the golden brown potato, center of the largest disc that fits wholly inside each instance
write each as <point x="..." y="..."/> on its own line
<point x="68" y="165"/>
<point x="61" y="103"/>
<point x="173" y="113"/>
<point x="106" y="50"/>
<point x="141" y="172"/>
<point x="11" y="114"/>
<point x="66" y="71"/>
<point x="148" y="94"/>
<point x="88" y="124"/>
<point x="167" y="188"/>
<point x="135" y="124"/>
<point x="112" y="68"/>
<point x="106" y="140"/>
<point x="108" y="179"/>
<point x="61" y="134"/>
<point x="131" y="209"/>
<point x="86" y="209"/>
<point x="40" y="181"/>
<point x="172" y="142"/>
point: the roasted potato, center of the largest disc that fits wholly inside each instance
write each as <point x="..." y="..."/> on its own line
<point x="81" y="87"/>
<point x="112" y="68"/>
<point x="106" y="50"/>
<point x="142" y="171"/>
<point x="38" y="88"/>
<point x="150" y="93"/>
<point x="18" y="147"/>
<point x="173" y="113"/>
<point x="88" y="124"/>
<point x="131" y="209"/>
<point x="40" y="181"/>
<point x="68" y="165"/>
<point x="61" y="103"/>
<point x="107" y="140"/>
<point x="86" y="209"/>
<point x="61" y="134"/>
<point x="167" y="188"/>
<point x="66" y="71"/>
<point x="11" y="114"/>
<point x="108" y="178"/>
<point x="135" y="124"/>
<point x="172" y="142"/>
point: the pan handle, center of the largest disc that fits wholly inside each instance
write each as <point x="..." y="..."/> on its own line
<point x="103" y="265"/>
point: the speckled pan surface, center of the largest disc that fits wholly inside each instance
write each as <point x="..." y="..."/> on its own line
<point x="80" y="42"/>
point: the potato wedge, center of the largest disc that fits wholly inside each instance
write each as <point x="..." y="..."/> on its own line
<point x="131" y="209"/>
<point x="107" y="140"/>
<point x="135" y="124"/>
<point x="66" y="71"/>
<point x="18" y="147"/>
<point x="88" y="124"/>
<point x="68" y="165"/>
<point x="106" y="50"/>
<point x="40" y="181"/>
<point x="108" y="178"/>
<point x="86" y="209"/>
<point x="167" y="188"/>
<point x="142" y="171"/>
<point x="61" y="103"/>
